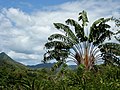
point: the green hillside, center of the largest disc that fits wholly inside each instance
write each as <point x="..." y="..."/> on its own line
<point x="10" y="71"/>
<point x="16" y="76"/>
<point x="6" y="61"/>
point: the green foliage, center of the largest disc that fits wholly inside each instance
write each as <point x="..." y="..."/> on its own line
<point x="111" y="53"/>
<point x="74" y="45"/>
<point x="102" y="78"/>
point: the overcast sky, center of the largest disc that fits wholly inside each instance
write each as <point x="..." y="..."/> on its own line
<point x="26" y="24"/>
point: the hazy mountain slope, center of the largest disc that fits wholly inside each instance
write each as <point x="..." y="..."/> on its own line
<point x="46" y="65"/>
<point x="6" y="61"/>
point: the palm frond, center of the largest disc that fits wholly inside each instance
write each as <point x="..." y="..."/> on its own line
<point x="67" y="31"/>
<point x="78" y="29"/>
<point x="48" y="57"/>
<point x="113" y="48"/>
<point x="57" y="44"/>
<point x="83" y="17"/>
<point x="102" y="37"/>
<point x="56" y="54"/>
<point x="99" y="29"/>
<point x="58" y="36"/>
<point x="110" y="58"/>
<point x="97" y="22"/>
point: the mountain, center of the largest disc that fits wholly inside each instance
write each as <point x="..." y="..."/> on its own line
<point x="44" y="65"/>
<point x="47" y="65"/>
<point x="6" y="61"/>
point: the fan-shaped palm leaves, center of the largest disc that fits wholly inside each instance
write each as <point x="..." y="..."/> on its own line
<point x="74" y="44"/>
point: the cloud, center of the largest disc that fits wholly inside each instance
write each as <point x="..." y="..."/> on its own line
<point x="23" y="35"/>
<point x="18" y="17"/>
<point x="24" y="58"/>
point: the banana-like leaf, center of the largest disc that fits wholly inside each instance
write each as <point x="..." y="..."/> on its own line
<point x="56" y="54"/>
<point x="78" y="29"/>
<point x="58" y="36"/>
<point x="106" y="20"/>
<point x="113" y="48"/>
<point x="102" y="26"/>
<point x="110" y="52"/>
<point x="47" y="58"/>
<point x="63" y="38"/>
<point x="67" y="31"/>
<point x="98" y="30"/>
<point x="57" y="44"/>
<point x="97" y="22"/>
<point x="111" y="58"/>
<point x="101" y="20"/>
<point x="83" y="17"/>
<point x="102" y="37"/>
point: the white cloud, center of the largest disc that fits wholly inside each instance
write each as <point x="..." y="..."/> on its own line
<point x="18" y="17"/>
<point x="25" y="58"/>
<point x="23" y="35"/>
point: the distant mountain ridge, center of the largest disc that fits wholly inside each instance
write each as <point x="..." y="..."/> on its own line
<point x="7" y="61"/>
<point x="48" y="65"/>
<point x="43" y="65"/>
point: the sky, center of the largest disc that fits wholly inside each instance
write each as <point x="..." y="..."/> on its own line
<point x="26" y="24"/>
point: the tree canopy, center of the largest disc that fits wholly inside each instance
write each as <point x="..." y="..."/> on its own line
<point x="75" y="45"/>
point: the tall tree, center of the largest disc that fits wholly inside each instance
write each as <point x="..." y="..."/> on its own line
<point x="75" y="45"/>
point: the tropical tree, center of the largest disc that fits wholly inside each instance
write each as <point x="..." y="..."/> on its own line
<point x="75" y="45"/>
<point x="111" y="51"/>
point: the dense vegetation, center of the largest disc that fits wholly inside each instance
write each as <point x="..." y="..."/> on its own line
<point x="101" y="78"/>
<point x="86" y="76"/>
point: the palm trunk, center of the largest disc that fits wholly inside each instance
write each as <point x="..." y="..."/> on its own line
<point x="86" y="61"/>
